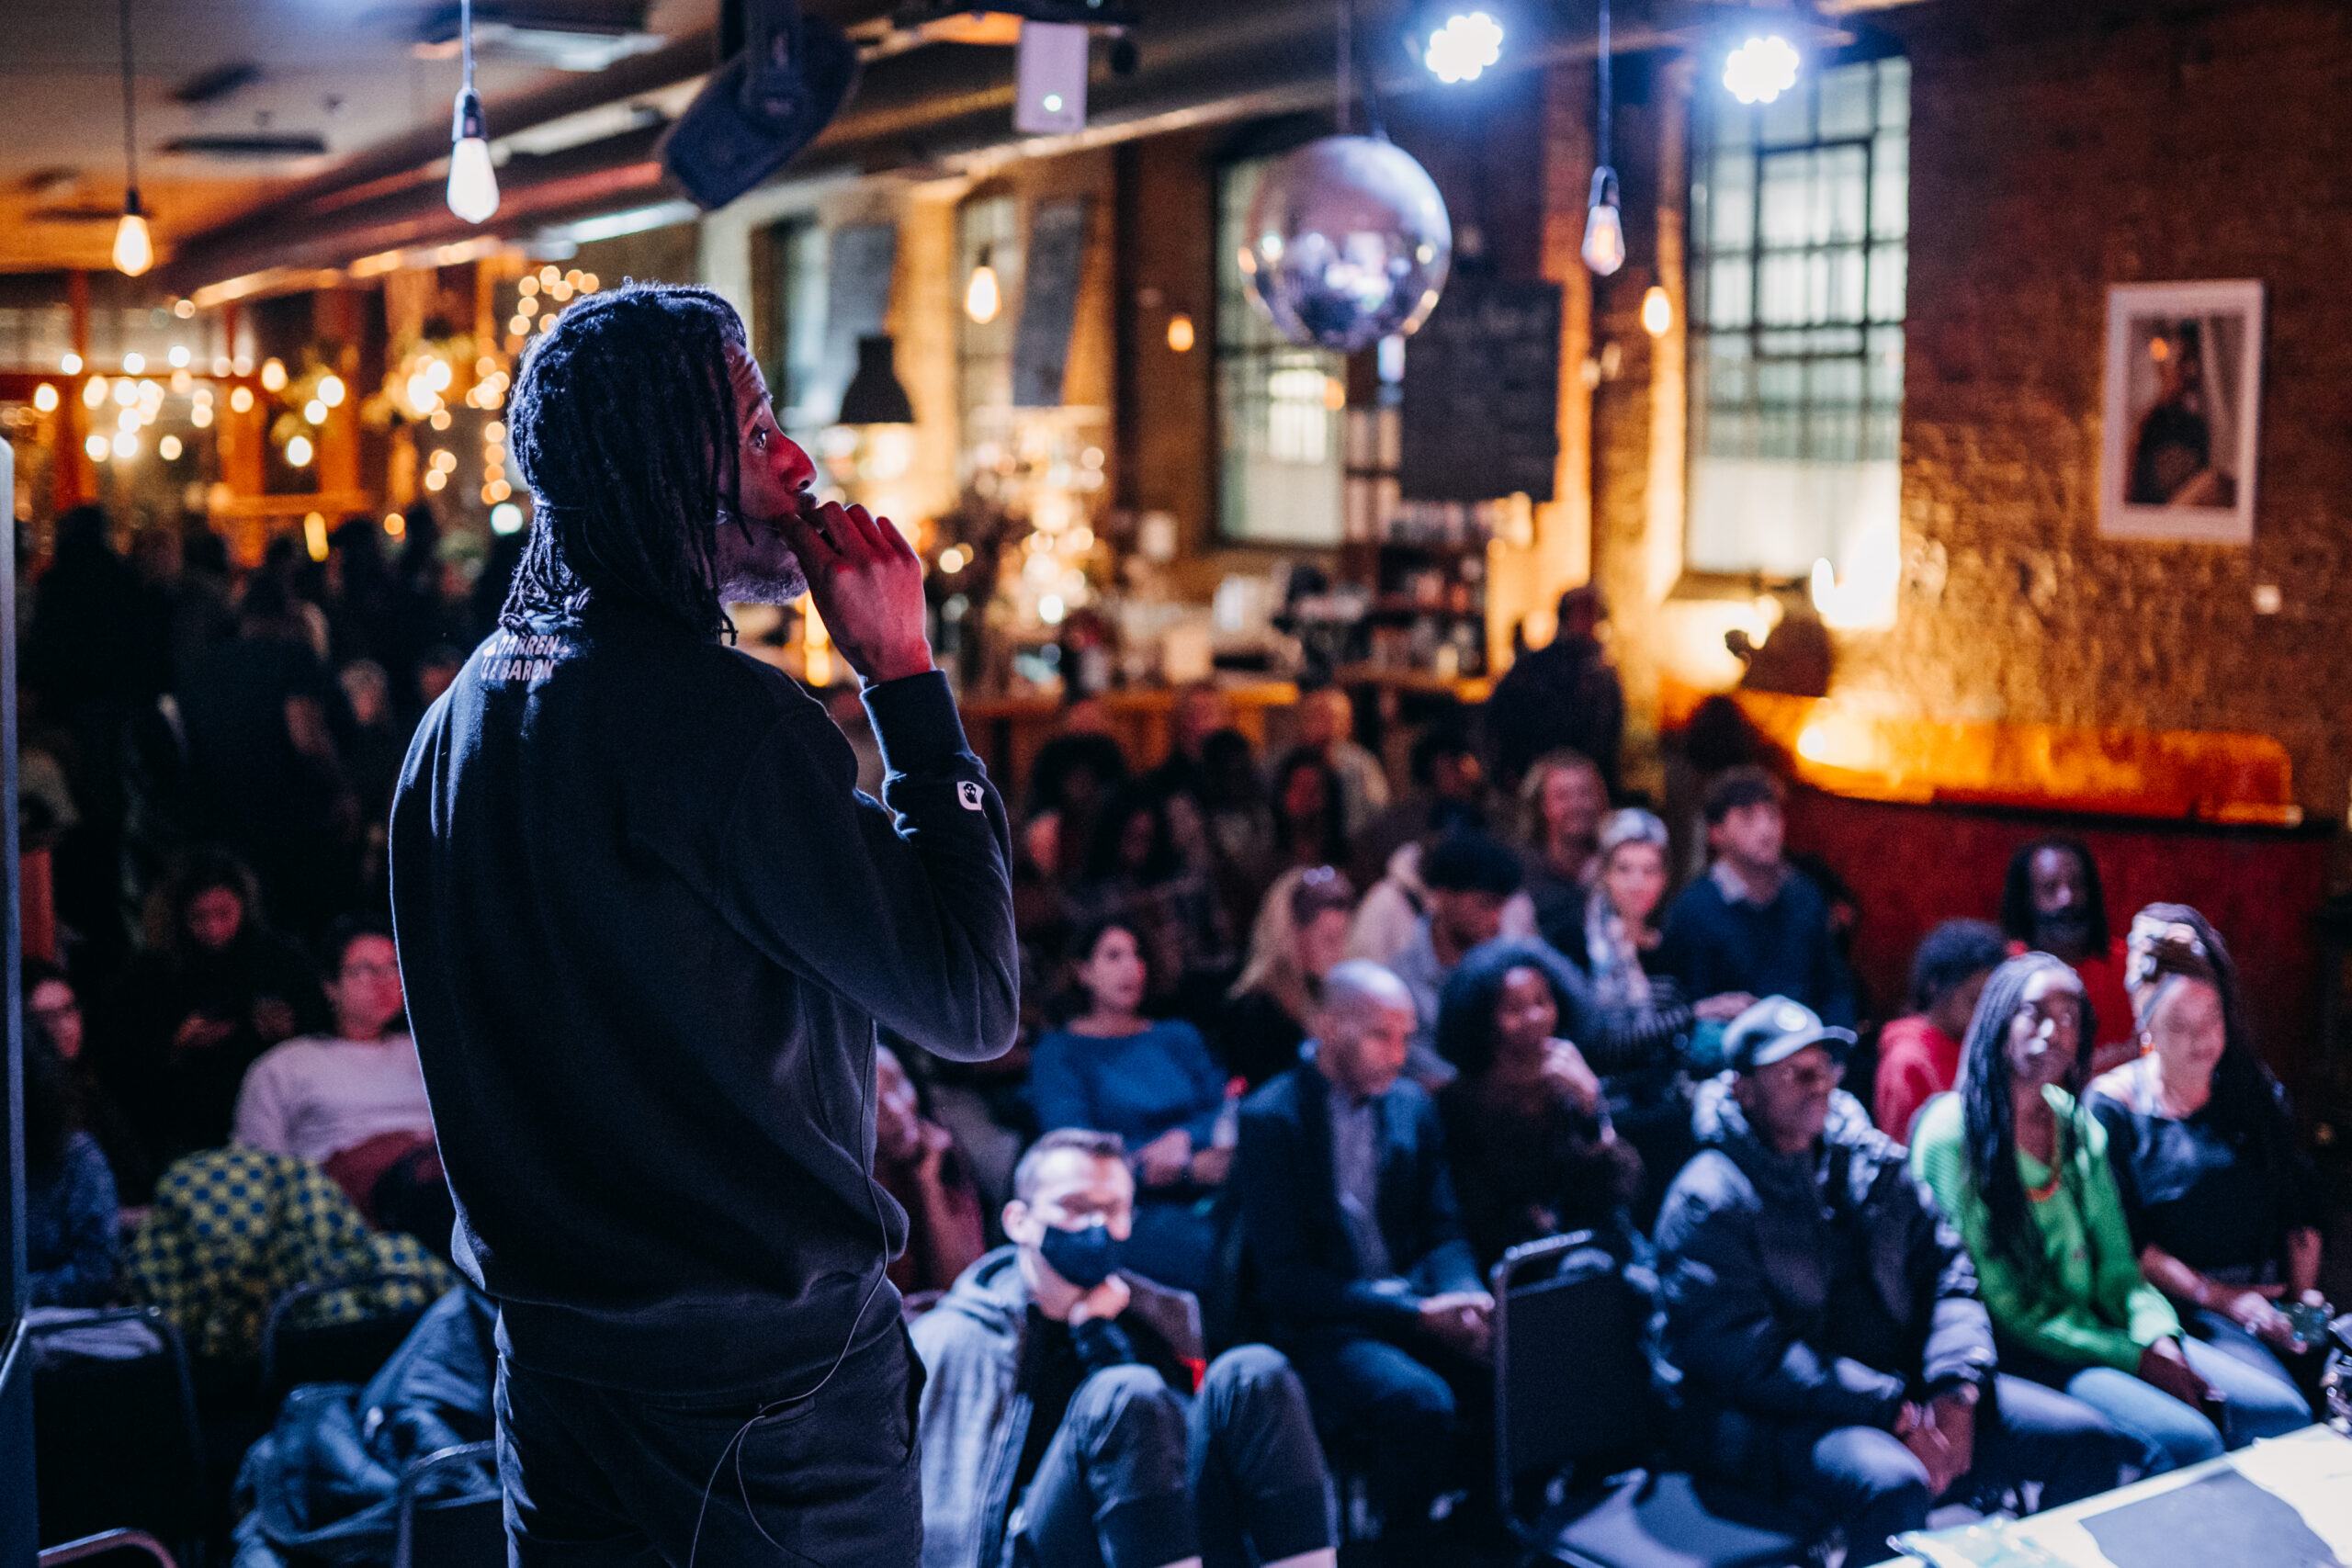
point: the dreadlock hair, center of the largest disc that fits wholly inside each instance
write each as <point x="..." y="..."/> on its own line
<point x="2246" y="1095"/>
<point x="624" y="426"/>
<point x="1989" y="1135"/>
<point x="2017" y="890"/>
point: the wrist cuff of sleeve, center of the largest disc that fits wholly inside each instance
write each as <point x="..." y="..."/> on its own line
<point x="915" y="722"/>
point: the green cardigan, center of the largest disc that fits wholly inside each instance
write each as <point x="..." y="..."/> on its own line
<point x="2094" y="1307"/>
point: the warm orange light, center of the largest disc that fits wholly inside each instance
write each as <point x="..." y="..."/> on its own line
<point x="1180" y="332"/>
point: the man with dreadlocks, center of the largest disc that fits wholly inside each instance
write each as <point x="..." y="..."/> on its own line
<point x="649" y="927"/>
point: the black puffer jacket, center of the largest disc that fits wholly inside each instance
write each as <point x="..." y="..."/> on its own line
<point x="1819" y="1289"/>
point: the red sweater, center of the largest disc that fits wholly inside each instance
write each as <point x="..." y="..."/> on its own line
<point x="1916" y="1061"/>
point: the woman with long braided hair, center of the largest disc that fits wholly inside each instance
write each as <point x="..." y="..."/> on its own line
<point x="2020" y="1169"/>
<point x="647" y="929"/>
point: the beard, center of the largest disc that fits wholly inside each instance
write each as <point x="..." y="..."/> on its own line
<point x="2069" y="930"/>
<point x="754" y="565"/>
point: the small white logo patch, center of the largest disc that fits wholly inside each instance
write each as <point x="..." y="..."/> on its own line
<point x="970" y="794"/>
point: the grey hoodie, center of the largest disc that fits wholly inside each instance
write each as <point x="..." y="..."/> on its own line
<point x="975" y="1416"/>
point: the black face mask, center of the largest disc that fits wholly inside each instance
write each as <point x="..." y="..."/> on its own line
<point x="1085" y="1257"/>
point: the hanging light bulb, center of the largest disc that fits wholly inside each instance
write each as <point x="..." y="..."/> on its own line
<point x="1761" y="69"/>
<point x="1657" y="312"/>
<point x="1604" y="232"/>
<point x="134" y="248"/>
<point x="473" y="183"/>
<point x="983" y="300"/>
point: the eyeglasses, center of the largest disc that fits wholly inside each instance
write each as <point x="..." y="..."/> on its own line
<point x="1319" y="875"/>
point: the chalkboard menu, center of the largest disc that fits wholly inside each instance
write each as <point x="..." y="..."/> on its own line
<point x="1482" y="394"/>
<point x="1048" y="302"/>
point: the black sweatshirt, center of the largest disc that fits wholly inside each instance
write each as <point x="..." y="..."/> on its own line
<point x="648" y="927"/>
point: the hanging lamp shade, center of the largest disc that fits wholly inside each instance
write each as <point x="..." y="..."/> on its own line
<point x="875" y="396"/>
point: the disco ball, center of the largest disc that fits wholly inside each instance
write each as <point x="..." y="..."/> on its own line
<point x="1348" y="242"/>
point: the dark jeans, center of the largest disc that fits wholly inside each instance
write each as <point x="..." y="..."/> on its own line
<point x="599" y="1479"/>
<point x="1138" y="1475"/>
<point x="1867" y="1480"/>
<point x="1414" y="1423"/>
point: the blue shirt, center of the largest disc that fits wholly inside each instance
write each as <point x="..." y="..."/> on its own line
<point x="1138" y="1087"/>
<point x="70" y="1227"/>
<point x="1715" y="944"/>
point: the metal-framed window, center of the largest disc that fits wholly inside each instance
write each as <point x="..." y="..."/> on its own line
<point x="1278" y="405"/>
<point x="1800" y="218"/>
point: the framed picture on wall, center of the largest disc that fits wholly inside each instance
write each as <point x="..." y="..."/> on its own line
<point x="2184" y="410"/>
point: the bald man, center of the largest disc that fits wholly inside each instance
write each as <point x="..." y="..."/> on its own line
<point x="1367" y="1282"/>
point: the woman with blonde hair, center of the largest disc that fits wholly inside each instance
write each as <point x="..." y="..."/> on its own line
<point x="1562" y="802"/>
<point x="1301" y="931"/>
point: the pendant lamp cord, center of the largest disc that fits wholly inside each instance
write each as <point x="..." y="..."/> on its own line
<point x="1347" y="57"/>
<point x="1347" y="84"/>
<point x="130" y="140"/>
<point x="465" y="39"/>
<point x="1607" y="71"/>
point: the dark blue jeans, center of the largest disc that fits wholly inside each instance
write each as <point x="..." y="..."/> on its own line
<point x="1138" y="1475"/>
<point x="599" y="1479"/>
<point x="1417" y="1425"/>
<point x="1867" y="1480"/>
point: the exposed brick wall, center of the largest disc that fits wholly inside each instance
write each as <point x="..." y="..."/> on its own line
<point x="2058" y="149"/>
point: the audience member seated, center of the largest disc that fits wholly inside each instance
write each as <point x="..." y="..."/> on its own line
<point x="1364" y="1278"/>
<point x="1074" y="776"/>
<point x="1199" y="711"/>
<point x="1918" y="1056"/>
<point x="263" y="770"/>
<point x="1238" y="825"/>
<point x="1752" y="923"/>
<point x="69" y="1209"/>
<point x="2053" y="902"/>
<point x="1469" y="877"/>
<point x="1527" y="1130"/>
<point x="1309" y="818"/>
<point x="54" y="1018"/>
<point x="1301" y="931"/>
<point x="1561" y="804"/>
<point x="375" y="746"/>
<point x="232" y="1229"/>
<point x="1135" y="875"/>
<point x="1448" y="793"/>
<point x="1565" y="693"/>
<point x="1059" y="1425"/>
<point x="1635" y="1025"/>
<point x="353" y="1102"/>
<point x="1112" y="1070"/>
<point x="212" y="989"/>
<point x="1327" y="725"/>
<point x="917" y="1163"/>
<point x="1825" y="1318"/>
<point x="2022" y="1171"/>
<point x="2223" y="1203"/>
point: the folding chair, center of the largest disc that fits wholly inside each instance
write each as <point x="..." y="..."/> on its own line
<point x="116" y="1441"/>
<point x="465" y="1531"/>
<point x="294" y="1352"/>
<point x="1577" y="1421"/>
<point x="104" y="1545"/>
